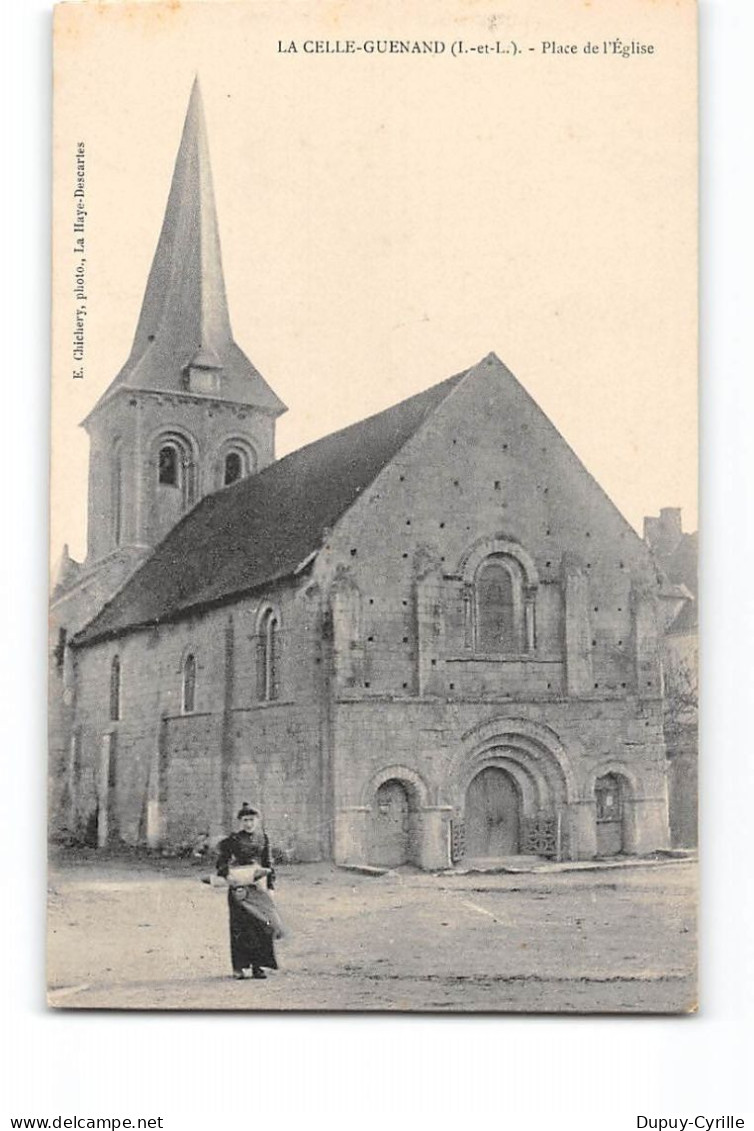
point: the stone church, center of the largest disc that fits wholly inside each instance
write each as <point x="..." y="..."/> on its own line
<point x="427" y="637"/>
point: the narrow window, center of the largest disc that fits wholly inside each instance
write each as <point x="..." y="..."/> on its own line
<point x="169" y="466"/>
<point x="233" y="468"/>
<point x="60" y="647"/>
<point x="189" y="685"/>
<point x="273" y="648"/>
<point x="115" y="689"/>
<point x="269" y="657"/>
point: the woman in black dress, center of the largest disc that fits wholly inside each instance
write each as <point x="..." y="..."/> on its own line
<point x="254" y="922"/>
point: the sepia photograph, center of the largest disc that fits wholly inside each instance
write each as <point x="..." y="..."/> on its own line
<point x="373" y="653"/>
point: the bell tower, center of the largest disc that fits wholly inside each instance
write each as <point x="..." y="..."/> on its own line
<point x="188" y="413"/>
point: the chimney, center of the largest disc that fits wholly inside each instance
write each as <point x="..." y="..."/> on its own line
<point x="670" y="523"/>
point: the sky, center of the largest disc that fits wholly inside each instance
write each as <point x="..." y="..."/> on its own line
<point x="388" y="220"/>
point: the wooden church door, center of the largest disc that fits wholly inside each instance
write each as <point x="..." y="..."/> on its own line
<point x="492" y="815"/>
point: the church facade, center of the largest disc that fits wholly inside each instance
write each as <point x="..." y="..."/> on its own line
<point x="425" y="638"/>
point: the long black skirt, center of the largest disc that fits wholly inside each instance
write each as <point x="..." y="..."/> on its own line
<point x="254" y="925"/>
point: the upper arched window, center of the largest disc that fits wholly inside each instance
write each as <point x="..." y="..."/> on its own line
<point x="233" y="468"/>
<point x="188" y="698"/>
<point x="175" y="467"/>
<point x="236" y="459"/>
<point x="169" y="473"/>
<point x="268" y="656"/>
<point x="499" y="606"/>
<point x="115" y="689"/>
<point x="500" y="584"/>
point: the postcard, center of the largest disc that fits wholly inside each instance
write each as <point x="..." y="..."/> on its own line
<point x="373" y="621"/>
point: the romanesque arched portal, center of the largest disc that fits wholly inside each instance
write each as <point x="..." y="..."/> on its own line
<point x="510" y="785"/>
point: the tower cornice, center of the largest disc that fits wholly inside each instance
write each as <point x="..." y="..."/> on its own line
<point x="179" y="396"/>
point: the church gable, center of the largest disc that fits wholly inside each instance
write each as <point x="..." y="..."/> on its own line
<point x="491" y="424"/>
<point x="484" y="543"/>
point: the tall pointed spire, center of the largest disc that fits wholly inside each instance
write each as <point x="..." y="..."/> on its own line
<point x="183" y="338"/>
<point x="185" y="294"/>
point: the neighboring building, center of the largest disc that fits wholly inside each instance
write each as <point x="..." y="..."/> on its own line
<point x="676" y="555"/>
<point x="428" y="634"/>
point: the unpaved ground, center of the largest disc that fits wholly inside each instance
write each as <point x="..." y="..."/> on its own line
<point x="147" y="937"/>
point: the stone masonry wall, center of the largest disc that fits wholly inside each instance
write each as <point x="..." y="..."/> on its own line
<point x="182" y="776"/>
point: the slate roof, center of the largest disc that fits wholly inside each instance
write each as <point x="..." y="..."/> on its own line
<point x="682" y="564"/>
<point x="262" y="528"/>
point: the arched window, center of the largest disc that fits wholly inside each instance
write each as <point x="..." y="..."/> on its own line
<point x="175" y="468"/>
<point x="115" y="689"/>
<point x="235" y="460"/>
<point x="233" y="468"/>
<point x="169" y="466"/>
<point x="499" y="606"/>
<point x="188" y="703"/>
<point x="268" y="656"/>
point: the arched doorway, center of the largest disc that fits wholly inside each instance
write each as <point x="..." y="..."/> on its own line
<point x="610" y="797"/>
<point x="392" y="821"/>
<point x="493" y="814"/>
